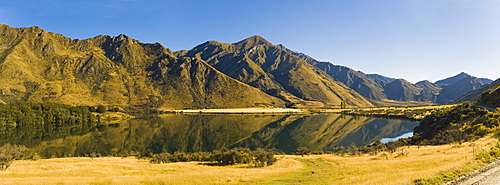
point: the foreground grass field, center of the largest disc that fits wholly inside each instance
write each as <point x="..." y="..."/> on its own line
<point x="401" y="167"/>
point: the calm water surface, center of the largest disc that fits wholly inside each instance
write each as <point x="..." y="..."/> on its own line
<point x="192" y="133"/>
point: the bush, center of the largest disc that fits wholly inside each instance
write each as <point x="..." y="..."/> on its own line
<point x="489" y="156"/>
<point x="101" y="109"/>
<point x="161" y="158"/>
<point x="9" y="153"/>
<point x="263" y="158"/>
<point x="257" y="158"/>
<point x="302" y="151"/>
<point x="233" y="156"/>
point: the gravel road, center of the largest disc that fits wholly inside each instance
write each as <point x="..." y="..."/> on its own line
<point x="490" y="175"/>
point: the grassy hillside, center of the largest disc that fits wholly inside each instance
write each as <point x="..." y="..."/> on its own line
<point x="276" y="71"/>
<point x="40" y="66"/>
<point x="490" y="97"/>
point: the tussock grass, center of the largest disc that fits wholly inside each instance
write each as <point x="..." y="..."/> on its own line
<point x="416" y="163"/>
<point x="132" y="171"/>
<point x="401" y="167"/>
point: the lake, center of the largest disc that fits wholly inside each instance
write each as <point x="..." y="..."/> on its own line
<point x="192" y="133"/>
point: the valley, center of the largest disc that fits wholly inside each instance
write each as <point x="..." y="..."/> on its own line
<point x="119" y="71"/>
<point x="73" y="108"/>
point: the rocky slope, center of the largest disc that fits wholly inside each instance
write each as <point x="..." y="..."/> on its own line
<point x="490" y="97"/>
<point x="37" y="66"/>
<point x="385" y="89"/>
<point x="277" y="71"/>
<point x="476" y="94"/>
<point x="458" y="88"/>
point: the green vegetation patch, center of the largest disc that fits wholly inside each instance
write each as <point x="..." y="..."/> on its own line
<point x="463" y="123"/>
<point x="27" y="123"/>
<point x="256" y="158"/>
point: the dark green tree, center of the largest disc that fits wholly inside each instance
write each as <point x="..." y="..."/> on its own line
<point x="101" y="109"/>
<point x="343" y="105"/>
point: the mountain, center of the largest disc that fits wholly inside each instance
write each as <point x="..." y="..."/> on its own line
<point x="450" y="80"/>
<point x="442" y="92"/>
<point x="381" y="88"/>
<point x="355" y="80"/>
<point x="485" y="80"/>
<point x="458" y="88"/>
<point x="249" y="61"/>
<point x="277" y="71"/>
<point x="379" y="77"/>
<point x="39" y="66"/>
<point x="476" y="94"/>
<point x="490" y="97"/>
<point x="429" y="91"/>
<point x="402" y="90"/>
<point x="363" y="85"/>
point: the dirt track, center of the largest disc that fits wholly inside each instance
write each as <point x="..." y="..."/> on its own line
<point x="489" y="175"/>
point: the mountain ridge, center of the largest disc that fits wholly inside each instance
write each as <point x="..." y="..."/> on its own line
<point x="373" y="86"/>
<point x="40" y="66"/>
<point x="276" y="70"/>
<point x="37" y="65"/>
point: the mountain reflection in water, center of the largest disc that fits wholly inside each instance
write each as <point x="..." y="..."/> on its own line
<point x="192" y="133"/>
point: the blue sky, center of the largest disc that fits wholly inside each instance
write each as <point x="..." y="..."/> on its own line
<point x="411" y="39"/>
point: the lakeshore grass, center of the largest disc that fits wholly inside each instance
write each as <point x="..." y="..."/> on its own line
<point x="401" y="167"/>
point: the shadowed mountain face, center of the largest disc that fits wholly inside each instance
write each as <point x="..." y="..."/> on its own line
<point x="382" y="88"/>
<point x="458" y="88"/>
<point x="476" y="94"/>
<point x="425" y="91"/>
<point x="39" y="66"/>
<point x="277" y="71"/>
<point x="355" y="80"/>
<point x="450" y="80"/>
<point x="441" y="92"/>
<point x="460" y="76"/>
<point x="490" y="97"/>
<point x="402" y="90"/>
<point x="380" y="77"/>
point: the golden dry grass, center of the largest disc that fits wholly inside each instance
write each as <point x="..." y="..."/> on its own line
<point x="322" y="169"/>
<point x="132" y="171"/>
<point x="418" y="163"/>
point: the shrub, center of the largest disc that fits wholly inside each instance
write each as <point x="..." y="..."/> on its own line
<point x="9" y="153"/>
<point x="257" y="158"/>
<point x="233" y="156"/>
<point x="303" y="151"/>
<point x="489" y="156"/>
<point x="101" y="109"/>
<point x="161" y="158"/>
<point x="263" y="158"/>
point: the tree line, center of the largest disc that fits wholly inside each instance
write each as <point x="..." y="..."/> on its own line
<point x="27" y="123"/>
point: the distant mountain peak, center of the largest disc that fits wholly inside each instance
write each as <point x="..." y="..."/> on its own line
<point x="453" y="78"/>
<point x="251" y="42"/>
<point x="378" y="77"/>
<point x="423" y="82"/>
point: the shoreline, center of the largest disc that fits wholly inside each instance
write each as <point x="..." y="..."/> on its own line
<point x="242" y="111"/>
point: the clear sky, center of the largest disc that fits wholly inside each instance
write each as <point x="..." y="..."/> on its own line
<point x="410" y="39"/>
